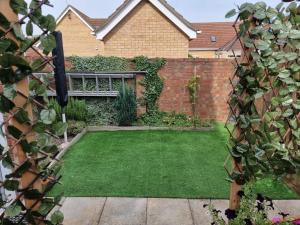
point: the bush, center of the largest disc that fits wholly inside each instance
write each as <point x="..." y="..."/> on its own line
<point x="75" y="127"/>
<point x="172" y="119"/>
<point x="126" y="107"/>
<point x="75" y="110"/>
<point x="101" y="111"/>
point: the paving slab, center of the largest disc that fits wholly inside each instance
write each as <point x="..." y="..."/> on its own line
<point x="82" y="211"/>
<point x="201" y="216"/>
<point x="287" y="206"/>
<point x="169" y="212"/>
<point x="124" y="211"/>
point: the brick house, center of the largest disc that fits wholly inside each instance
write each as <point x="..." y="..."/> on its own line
<point x="144" y="27"/>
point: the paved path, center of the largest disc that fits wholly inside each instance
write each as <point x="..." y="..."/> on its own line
<point x="147" y="211"/>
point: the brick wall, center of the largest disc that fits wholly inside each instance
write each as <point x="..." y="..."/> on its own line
<point x="214" y="86"/>
<point x="145" y="31"/>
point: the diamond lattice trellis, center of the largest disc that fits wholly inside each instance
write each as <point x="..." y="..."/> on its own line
<point x="264" y="102"/>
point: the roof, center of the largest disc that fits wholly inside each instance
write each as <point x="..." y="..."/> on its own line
<point x="92" y="23"/>
<point x="128" y="5"/>
<point x="223" y="32"/>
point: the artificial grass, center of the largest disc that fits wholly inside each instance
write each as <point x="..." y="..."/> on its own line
<point x="177" y="164"/>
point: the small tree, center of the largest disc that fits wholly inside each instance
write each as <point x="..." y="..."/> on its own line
<point x="193" y="87"/>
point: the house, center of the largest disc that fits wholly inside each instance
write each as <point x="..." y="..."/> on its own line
<point x="144" y="27"/>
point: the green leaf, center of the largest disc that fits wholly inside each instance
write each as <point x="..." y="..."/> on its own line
<point x="231" y="13"/>
<point x="19" y="6"/>
<point x="50" y="149"/>
<point x="7" y="162"/>
<point x="9" y="91"/>
<point x="297" y="104"/>
<point x="59" y="128"/>
<point x="279" y="6"/>
<point x="48" y="22"/>
<point x="262" y="45"/>
<point x="18" y="32"/>
<point x="260" y="14"/>
<point x="28" y="147"/>
<point x="295" y="67"/>
<point x="20" y="170"/>
<point x="284" y="74"/>
<point x="38" y="65"/>
<point x="4" y="45"/>
<point x="291" y="56"/>
<point x="57" y="217"/>
<point x="11" y="185"/>
<point x="260" y="5"/>
<point x="13" y="210"/>
<point x="5" y="104"/>
<point x="288" y="113"/>
<point x="48" y="116"/>
<point x="4" y="22"/>
<point x="48" y="43"/>
<point x="8" y="60"/>
<point x="15" y="132"/>
<point x="29" y="28"/>
<point x="22" y="116"/>
<point x="294" y="34"/>
<point x="32" y="194"/>
<point x="287" y="101"/>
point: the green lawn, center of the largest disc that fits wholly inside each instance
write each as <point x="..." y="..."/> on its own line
<point x="182" y="164"/>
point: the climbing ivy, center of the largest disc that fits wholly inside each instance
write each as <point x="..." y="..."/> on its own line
<point x="31" y="137"/>
<point x="153" y="83"/>
<point x="265" y="98"/>
<point x="99" y="64"/>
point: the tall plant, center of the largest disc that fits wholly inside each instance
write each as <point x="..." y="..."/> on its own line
<point x="265" y="98"/>
<point x="29" y="150"/>
<point x="193" y="87"/>
<point x="126" y="107"/>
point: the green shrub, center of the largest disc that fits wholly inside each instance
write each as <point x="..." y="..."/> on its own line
<point x="126" y="107"/>
<point x="172" y="119"/>
<point x="75" y="110"/>
<point x="75" y="127"/>
<point x="101" y="111"/>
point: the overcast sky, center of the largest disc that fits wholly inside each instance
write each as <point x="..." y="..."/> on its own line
<point x="192" y="10"/>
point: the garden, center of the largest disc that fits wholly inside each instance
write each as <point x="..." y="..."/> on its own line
<point x="251" y="159"/>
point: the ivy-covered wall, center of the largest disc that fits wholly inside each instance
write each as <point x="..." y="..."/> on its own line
<point x="171" y="89"/>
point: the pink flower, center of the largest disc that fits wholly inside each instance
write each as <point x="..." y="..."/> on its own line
<point x="296" y="222"/>
<point x="276" y="220"/>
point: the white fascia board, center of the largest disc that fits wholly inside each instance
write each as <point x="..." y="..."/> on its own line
<point x="103" y="32"/>
<point x="66" y="11"/>
<point x="192" y="34"/>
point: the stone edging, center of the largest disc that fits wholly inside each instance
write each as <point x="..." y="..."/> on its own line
<point x="141" y="128"/>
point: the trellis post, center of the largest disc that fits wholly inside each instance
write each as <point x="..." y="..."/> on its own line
<point x="28" y="179"/>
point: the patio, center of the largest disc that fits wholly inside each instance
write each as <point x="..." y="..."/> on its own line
<point x="149" y="211"/>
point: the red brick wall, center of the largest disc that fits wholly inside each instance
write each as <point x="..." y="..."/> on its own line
<point x="214" y="87"/>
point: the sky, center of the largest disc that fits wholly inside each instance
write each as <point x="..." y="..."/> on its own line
<point x="192" y="10"/>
